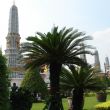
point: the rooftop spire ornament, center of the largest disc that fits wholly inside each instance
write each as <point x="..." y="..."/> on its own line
<point x="13" y="2"/>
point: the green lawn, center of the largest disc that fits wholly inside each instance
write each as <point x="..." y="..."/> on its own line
<point x="40" y="106"/>
<point x="90" y="102"/>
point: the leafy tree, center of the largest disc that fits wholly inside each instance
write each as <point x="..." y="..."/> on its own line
<point x="55" y="48"/>
<point x="4" y="92"/>
<point x="34" y="82"/>
<point x="79" y="79"/>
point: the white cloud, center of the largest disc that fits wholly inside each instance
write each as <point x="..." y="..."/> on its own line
<point x="102" y="34"/>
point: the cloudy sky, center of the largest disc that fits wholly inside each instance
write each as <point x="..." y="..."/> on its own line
<point x="90" y="16"/>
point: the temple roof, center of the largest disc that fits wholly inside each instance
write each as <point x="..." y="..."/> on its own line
<point x="13" y="20"/>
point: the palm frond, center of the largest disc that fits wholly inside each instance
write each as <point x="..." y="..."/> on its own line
<point x="80" y="77"/>
<point x="62" y="46"/>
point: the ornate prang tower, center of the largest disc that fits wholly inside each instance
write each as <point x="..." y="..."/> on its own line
<point x="13" y="47"/>
<point x="97" y="61"/>
<point x="107" y="65"/>
<point x="83" y="56"/>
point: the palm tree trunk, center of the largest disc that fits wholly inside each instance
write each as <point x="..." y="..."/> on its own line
<point x="55" y="69"/>
<point x="78" y="99"/>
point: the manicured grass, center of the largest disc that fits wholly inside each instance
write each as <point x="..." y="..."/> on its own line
<point x="38" y="106"/>
<point x="90" y="102"/>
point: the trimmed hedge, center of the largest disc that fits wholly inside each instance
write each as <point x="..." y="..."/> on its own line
<point x="103" y="106"/>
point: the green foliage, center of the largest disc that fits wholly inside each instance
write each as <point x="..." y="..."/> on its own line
<point x="81" y="77"/>
<point x="34" y="82"/>
<point x="21" y="99"/>
<point x="4" y="92"/>
<point x="89" y="94"/>
<point x="103" y="106"/>
<point x="55" y="48"/>
<point x="62" y="46"/>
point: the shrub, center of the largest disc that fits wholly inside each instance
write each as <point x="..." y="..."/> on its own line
<point x="90" y="94"/>
<point x="21" y="99"/>
<point x="103" y="106"/>
<point x="34" y="83"/>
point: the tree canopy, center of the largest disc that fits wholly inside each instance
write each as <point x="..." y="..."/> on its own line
<point x="55" y="48"/>
<point x="34" y="82"/>
<point x="4" y="84"/>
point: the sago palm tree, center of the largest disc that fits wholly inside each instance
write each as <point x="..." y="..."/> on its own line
<point x="78" y="80"/>
<point x="55" y="48"/>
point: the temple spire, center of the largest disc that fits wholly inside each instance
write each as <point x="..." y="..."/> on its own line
<point x="13" y="20"/>
<point x="83" y="56"/>
<point x="97" y="61"/>
<point x="106" y="64"/>
<point x="12" y="51"/>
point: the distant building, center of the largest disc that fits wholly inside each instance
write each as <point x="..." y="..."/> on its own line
<point x="97" y="61"/>
<point x="13" y="47"/>
<point x="107" y="65"/>
<point x="83" y="56"/>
